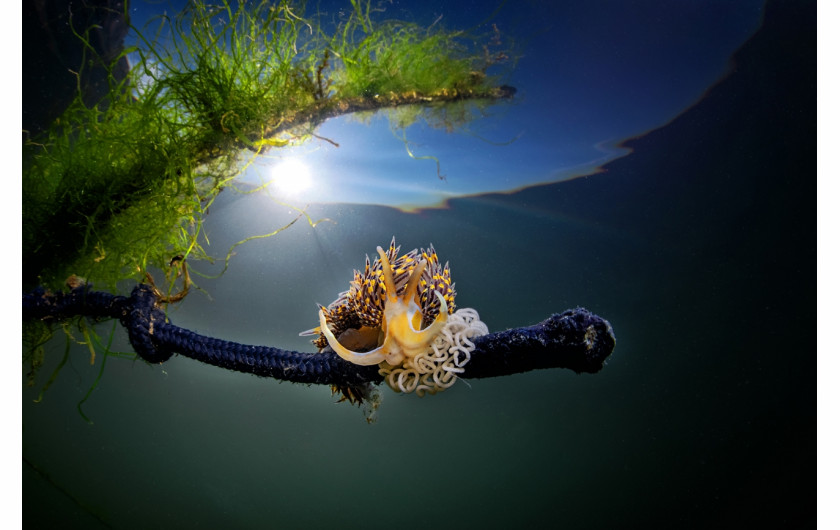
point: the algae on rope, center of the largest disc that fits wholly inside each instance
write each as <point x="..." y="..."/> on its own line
<point x="116" y="187"/>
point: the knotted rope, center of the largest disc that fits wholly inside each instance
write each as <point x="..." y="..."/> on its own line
<point x="575" y="339"/>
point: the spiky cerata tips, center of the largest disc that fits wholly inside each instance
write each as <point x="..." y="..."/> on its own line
<point x="402" y="320"/>
<point x="398" y="314"/>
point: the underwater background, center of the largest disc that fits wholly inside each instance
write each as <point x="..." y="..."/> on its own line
<point x="696" y="240"/>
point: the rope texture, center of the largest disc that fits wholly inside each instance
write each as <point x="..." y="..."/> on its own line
<point x="575" y="339"/>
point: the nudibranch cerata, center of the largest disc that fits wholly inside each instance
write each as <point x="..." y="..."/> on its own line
<point x="400" y="314"/>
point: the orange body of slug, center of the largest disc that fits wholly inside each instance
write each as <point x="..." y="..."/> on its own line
<point x="392" y="311"/>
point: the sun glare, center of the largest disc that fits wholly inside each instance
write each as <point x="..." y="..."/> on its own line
<point x="290" y="176"/>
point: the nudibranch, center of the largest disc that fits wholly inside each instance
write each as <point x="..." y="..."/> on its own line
<point x="400" y="314"/>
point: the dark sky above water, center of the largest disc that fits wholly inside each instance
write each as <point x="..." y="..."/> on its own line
<point x="698" y="247"/>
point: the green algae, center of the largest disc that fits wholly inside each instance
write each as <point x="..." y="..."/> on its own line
<point x="117" y="187"/>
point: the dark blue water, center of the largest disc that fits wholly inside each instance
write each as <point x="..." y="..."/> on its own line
<point x="698" y="247"/>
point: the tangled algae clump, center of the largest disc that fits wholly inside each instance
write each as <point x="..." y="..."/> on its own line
<point x="116" y="186"/>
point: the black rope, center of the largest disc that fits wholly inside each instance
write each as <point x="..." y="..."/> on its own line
<point x="575" y="339"/>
